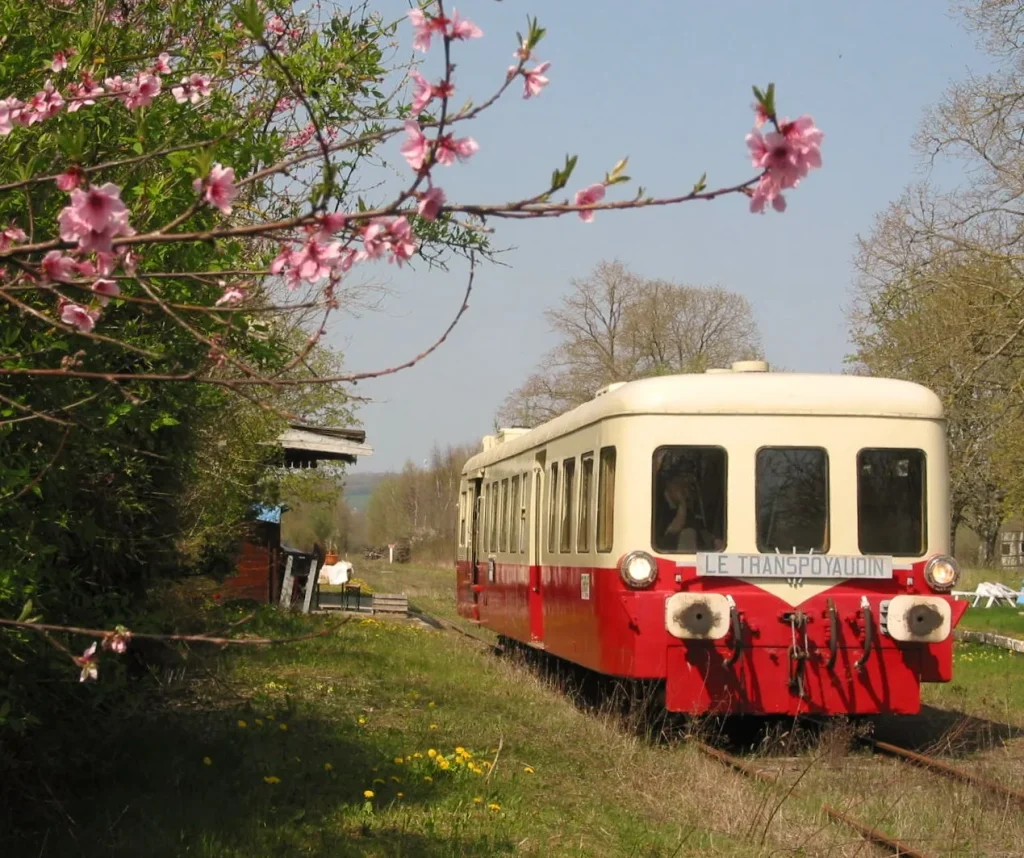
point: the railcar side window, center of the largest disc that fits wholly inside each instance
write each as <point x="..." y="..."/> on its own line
<point x="553" y="509"/>
<point x="462" y="518"/>
<point x="792" y="499"/>
<point x="568" y="479"/>
<point x="606" y="500"/>
<point x="494" y="516"/>
<point x="891" y="502"/>
<point x="503" y="545"/>
<point x="513" y="539"/>
<point x="586" y="497"/>
<point x="524" y="530"/>
<point x="689" y="504"/>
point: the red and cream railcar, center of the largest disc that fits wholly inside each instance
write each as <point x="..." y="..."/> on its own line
<point x="765" y="543"/>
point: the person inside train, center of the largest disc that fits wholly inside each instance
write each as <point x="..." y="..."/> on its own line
<point x="684" y="532"/>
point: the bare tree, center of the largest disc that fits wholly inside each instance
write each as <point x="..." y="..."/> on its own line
<point x="616" y="326"/>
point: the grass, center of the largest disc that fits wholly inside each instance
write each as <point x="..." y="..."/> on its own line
<point x="361" y="709"/>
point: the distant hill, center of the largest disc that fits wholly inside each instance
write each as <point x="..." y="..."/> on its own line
<point x="359" y="487"/>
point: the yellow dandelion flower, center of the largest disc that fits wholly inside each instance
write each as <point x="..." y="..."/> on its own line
<point x="494" y="807"/>
<point x="417" y="756"/>
<point x="445" y="765"/>
<point x="428" y="779"/>
<point x="242" y="723"/>
<point x="528" y="769"/>
<point x="478" y="800"/>
<point x="431" y="753"/>
<point x="207" y="761"/>
<point x="283" y="726"/>
<point x="362" y="720"/>
<point x="431" y="704"/>
<point x="408" y="757"/>
<point x="467" y="755"/>
<point x="271" y="779"/>
<point x="398" y="761"/>
<point x="367" y="793"/>
<point x="460" y="750"/>
<point x="433" y="726"/>
<point x="328" y="767"/>
<point x="400" y="794"/>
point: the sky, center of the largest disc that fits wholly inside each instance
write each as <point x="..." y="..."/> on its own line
<point x="669" y="85"/>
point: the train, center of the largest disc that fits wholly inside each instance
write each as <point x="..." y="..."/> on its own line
<point x="753" y="542"/>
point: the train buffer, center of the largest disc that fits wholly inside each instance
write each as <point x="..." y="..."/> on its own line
<point x="390" y="603"/>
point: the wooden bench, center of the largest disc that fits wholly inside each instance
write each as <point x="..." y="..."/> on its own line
<point x="390" y="603"/>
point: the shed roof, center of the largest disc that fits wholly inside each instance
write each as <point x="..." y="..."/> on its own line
<point x="306" y="443"/>
<point x="780" y="393"/>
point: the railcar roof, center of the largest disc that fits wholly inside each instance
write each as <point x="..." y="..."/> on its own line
<point x="777" y="393"/>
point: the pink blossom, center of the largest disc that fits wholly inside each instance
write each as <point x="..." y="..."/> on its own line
<point x="105" y="290"/>
<point x="382" y="235"/>
<point x="45" y="104"/>
<point x="87" y="660"/>
<point x="96" y="206"/>
<point x="463" y="29"/>
<point x="163" y="64"/>
<point x="588" y="197"/>
<point x="70" y="179"/>
<point x="402" y="244"/>
<point x="788" y="154"/>
<point x="430" y="203"/>
<point x="85" y="321"/>
<point x="314" y="261"/>
<point x="57" y="266"/>
<point x="117" y="86"/>
<point x="10" y="114"/>
<point x="142" y="90"/>
<point x="328" y="225"/>
<point x="94" y="218"/>
<point x="60" y="60"/>
<point x="524" y="54"/>
<point x="424" y="27"/>
<point x="193" y="88"/>
<point x="117" y="641"/>
<point x="83" y="94"/>
<point x="415" y="149"/>
<point x="129" y="260"/>
<point x="534" y="80"/>
<point x="220" y="187"/>
<point x="276" y="25"/>
<point x="424" y="92"/>
<point x="448" y="149"/>
<point x="232" y="295"/>
<point x="11" y="235"/>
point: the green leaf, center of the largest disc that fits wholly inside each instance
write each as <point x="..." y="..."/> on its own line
<point x="25" y="612"/>
<point x="701" y="184"/>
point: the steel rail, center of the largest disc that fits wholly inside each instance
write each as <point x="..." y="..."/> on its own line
<point x="872" y="835"/>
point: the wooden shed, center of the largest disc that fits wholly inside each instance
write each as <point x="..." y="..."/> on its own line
<point x="259" y="564"/>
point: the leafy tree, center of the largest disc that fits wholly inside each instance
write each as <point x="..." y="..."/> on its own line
<point x="616" y="326"/>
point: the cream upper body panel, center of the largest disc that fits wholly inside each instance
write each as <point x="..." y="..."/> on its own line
<point x="739" y="412"/>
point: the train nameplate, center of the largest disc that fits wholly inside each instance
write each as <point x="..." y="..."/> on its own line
<point x="811" y="566"/>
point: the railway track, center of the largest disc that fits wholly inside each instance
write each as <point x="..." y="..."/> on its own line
<point x="937" y="766"/>
<point x="872" y="835"/>
<point x="880" y="839"/>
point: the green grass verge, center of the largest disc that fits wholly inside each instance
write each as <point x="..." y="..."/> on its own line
<point x="361" y="709"/>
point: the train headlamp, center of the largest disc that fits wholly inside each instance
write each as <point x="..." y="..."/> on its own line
<point x="941" y="572"/>
<point x="638" y="570"/>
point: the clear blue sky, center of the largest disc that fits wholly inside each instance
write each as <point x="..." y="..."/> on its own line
<point x="667" y="83"/>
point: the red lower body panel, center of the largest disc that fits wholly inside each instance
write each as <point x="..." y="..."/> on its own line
<point x="587" y="616"/>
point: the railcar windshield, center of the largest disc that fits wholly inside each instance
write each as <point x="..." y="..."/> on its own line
<point x="792" y="499"/>
<point x="689" y="499"/>
<point x="891" y="501"/>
